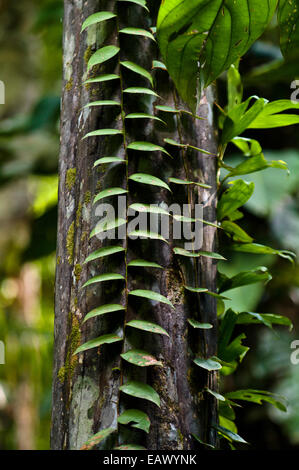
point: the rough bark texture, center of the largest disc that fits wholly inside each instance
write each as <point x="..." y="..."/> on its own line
<point x="86" y="390"/>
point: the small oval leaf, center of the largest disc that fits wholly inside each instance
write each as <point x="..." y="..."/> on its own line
<point x="140" y="358"/>
<point x="147" y="326"/>
<point x="103" y="278"/>
<point x="109" y="308"/>
<point x="96" y="342"/>
<point x="151" y="295"/>
<point x="141" y="390"/>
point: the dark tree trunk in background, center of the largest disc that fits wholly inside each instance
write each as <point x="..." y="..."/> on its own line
<point x="86" y="389"/>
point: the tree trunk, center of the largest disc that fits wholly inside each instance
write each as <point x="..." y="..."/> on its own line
<point x="86" y="394"/>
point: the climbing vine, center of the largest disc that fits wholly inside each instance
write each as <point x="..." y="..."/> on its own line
<point x="179" y="37"/>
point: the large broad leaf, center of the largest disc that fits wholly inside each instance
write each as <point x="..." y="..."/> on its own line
<point x="257" y="396"/>
<point x="151" y="295"/>
<point x="204" y="37"/>
<point x="240" y="118"/>
<point x="234" y="197"/>
<point x="141" y="390"/>
<point x="288" y="20"/>
<point x="96" y="342"/>
<point x="140" y="358"/>
<point x="147" y="326"/>
<point x="256" y="248"/>
<point x="267" y="319"/>
<point x="108" y="308"/>
<point x="270" y="116"/>
<point x="260" y="274"/>
<point x="139" y="418"/>
<point x="97" y="438"/>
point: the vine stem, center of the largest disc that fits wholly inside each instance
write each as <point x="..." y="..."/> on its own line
<point x="125" y="146"/>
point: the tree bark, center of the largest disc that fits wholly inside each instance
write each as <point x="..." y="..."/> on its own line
<point x="86" y="390"/>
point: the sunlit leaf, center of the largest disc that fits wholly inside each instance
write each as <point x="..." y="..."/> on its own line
<point x="139" y="418"/>
<point x="108" y="308"/>
<point x="147" y="326"/>
<point x="140" y="358"/>
<point x="270" y="118"/>
<point x="208" y="364"/>
<point x="105" y="160"/>
<point x="103" y="132"/>
<point x="236" y="232"/>
<point x="105" y="251"/>
<point x="143" y="264"/>
<point x="151" y="295"/>
<point x="146" y="147"/>
<point x="109" y="192"/>
<point x="102" y="103"/>
<point x="96" y="342"/>
<point x="257" y="396"/>
<point x="234" y="197"/>
<point x="144" y="116"/>
<point x="149" y="179"/>
<point x="97" y="18"/>
<point x="141" y="390"/>
<point x="147" y="234"/>
<point x="139" y="70"/>
<point x="102" y="55"/>
<point x="138" y="32"/>
<point x="102" y="78"/>
<point x="103" y="278"/>
<point x="258" y="249"/>
<point x="230" y="434"/>
<point x="288" y="20"/>
<point x="140" y="91"/>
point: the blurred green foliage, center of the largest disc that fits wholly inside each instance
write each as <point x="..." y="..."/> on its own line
<point x="31" y="54"/>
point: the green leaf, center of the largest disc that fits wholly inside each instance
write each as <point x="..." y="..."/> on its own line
<point x="236" y="232"/>
<point x="140" y="91"/>
<point x="234" y="197"/>
<point x="139" y="418"/>
<point x="97" y="18"/>
<point x="151" y="295"/>
<point x="270" y="118"/>
<point x="129" y="446"/>
<point x="146" y="147"/>
<point x="103" y="132"/>
<point x="208" y="364"/>
<point x="151" y="208"/>
<point x="168" y="109"/>
<point x="147" y="234"/>
<point x="257" y="163"/>
<point x="179" y="181"/>
<point x="108" y="308"/>
<point x="109" y="192"/>
<point x="106" y="226"/>
<point x="102" y="103"/>
<point x="140" y="358"/>
<point x="203" y="290"/>
<point x="186" y="146"/>
<point x="191" y="254"/>
<point x="201" y="326"/>
<point x="258" y="249"/>
<point x="157" y="64"/>
<point x="267" y="319"/>
<point x="147" y="326"/>
<point x="97" y="438"/>
<point x="102" y="78"/>
<point x="149" y="179"/>
<point x="288" y="20"/>
<point x="230" y="434"/>
<point x="105" y="160"/>
<point x="260" y="274"/>
<point x="105" y="251"/>
<point x="209" y="446"/>
<point x="141" y="390"/>
<point x="234" y="87"/>
<point x="257" y="396"/>
<point x="102" y="55"/>
<point x="141" y="3"/>
<point x="240" y="118"/>
<point x="234" y="352"/>
<point x="213" y="34"/>
<point x="144" y="264"/>
<point x="96" y="342"/>
<point x="144" y="116"/>
<point x="215" y="394"/>
<point x="139" y="70"/>
<point x="103" y="278"/>
<point x="138" y="32"/>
